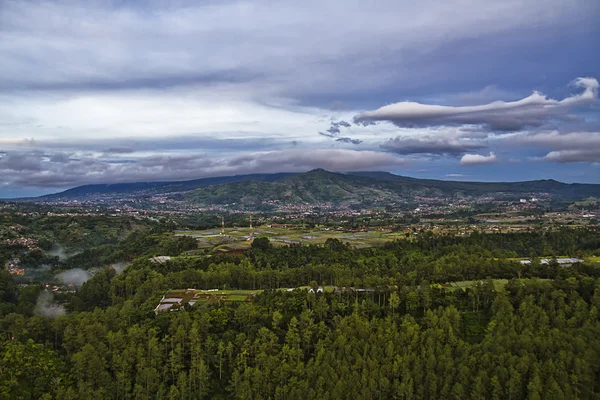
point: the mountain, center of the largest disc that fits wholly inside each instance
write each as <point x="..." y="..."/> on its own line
<point x="150" y="188"/>
<point x="314" y="187"/>
<point x="320" y="187"/>
<point x="374" y="188"/>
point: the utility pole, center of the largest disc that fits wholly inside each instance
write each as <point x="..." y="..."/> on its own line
<point x="250" y="227"/>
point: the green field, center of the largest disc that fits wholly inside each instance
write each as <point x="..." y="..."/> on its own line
<point x="499" y="284"/>
<point x="239" y="238"/>
<point x="181" y="297"/>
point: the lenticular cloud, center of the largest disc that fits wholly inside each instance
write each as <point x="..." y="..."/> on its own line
<point x="532" y="111"/>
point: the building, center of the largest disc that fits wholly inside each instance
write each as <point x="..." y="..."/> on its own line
<point x="565" y="262"/>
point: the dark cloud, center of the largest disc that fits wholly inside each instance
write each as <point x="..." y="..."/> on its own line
<point x="348" y="140"/>
<point x="21" y="162"/>
<point x="430" y="145"/>
<point x="161" y="45"/>
<point x="119" y="150"/>
<point x="157" y="82"/>
<point x="559" y="141"/>
<point x="335" y="129"/>
<point x="149" y="144"/>
<point x="330" y="159"/>
<point x="60" y="158"/>
<point x="175" y="162"/>
<point x="364" y="122"/>
<point x="569" y="156"/>
<point x="90" y="170"/>
<point x="532" y="111"/>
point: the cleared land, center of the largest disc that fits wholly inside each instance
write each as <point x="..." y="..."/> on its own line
<point x="239" y="238"/>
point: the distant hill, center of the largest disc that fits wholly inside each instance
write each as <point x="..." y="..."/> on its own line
<point x="323" y="187"/>
<point x="566" y="190"/>
<point x="372" y="188"/>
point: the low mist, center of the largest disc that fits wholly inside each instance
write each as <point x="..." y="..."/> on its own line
<point x="45" y="306"/>
<point x="58" y="251"/>
<point x="119" y="267"/>
<point x="75" y="277"/>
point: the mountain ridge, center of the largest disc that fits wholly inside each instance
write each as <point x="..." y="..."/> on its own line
<point x="373" y="189"/>
<point x="320" y="186"/>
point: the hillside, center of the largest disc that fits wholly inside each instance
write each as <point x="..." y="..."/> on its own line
<point x="314" y="187"/>
<point x="372" y="188"/>
<point x="150" y="188"/>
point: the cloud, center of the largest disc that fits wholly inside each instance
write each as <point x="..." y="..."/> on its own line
<point x="181" y="166"/>
<point x="163" y="44"/>
<point x="456" y="175"/>
<point x="561" y="147"/>
<point x="532" y="111"/>
<point x="431" y="145"/>
<point x="330" y="159"/>
<point x="119" y="150"/>
<point x="478" y="159"/>
<point x="45" y="306"/>
<point x="488" y="94"/>
<point x="335" y="129"/>
<point x="21" y="162"/>
<point x="568" y="156"/>
<point x="164" y="78"/>
<point x="348" y="140"/>
<point x="557" y="140"/>
<point x="60" y="158"/>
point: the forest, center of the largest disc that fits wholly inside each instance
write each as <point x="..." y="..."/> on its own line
<point x="410" y="336"/>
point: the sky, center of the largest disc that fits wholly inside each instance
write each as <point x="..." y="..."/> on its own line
<point x="124" y="91"/>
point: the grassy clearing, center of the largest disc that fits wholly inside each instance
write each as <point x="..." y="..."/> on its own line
<point x="326" y="289"/>
<point x="499" y="284"/>
<point x="238" y="238"/>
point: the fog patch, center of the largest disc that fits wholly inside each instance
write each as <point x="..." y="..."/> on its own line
<point x="75" y="277"/>
<point x="46" y="307"/>
<point x="58" y="251"/>
<point x="119" y="267"/>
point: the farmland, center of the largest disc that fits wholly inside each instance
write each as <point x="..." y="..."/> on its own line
<point x="239" y="238"/>
<point x="179" y="298"/>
